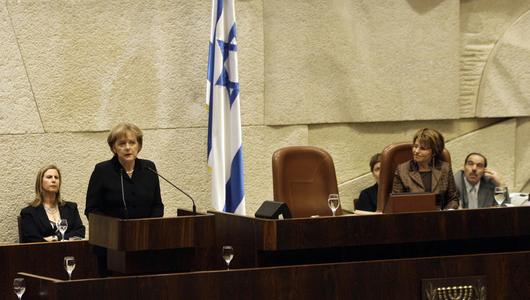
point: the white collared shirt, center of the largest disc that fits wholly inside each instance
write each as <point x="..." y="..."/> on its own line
<point x="472" y="194"/>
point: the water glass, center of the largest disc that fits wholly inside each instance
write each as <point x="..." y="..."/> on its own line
<point x="333" y="202"/>
<point x="19" y="286"/>
<point x="500" y="194"/>
<point x="69" y="265"/>
<point x="62" y="225"/>
<point x="228" y="255"/>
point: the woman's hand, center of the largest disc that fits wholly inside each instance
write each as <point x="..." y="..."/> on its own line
<point x="51" y="238"/>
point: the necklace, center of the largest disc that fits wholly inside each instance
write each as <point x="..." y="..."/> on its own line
<point x="51" y="210"/>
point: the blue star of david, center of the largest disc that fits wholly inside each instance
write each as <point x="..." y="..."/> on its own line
<point x="224" y="80"/>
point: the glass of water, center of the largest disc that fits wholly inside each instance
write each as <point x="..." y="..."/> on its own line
<point x="500" y="194"/>
<point x="333" y="202"/>
<point x="19" y="286"/>
<point x="62" y="225"/>
<point x="228" y="255"/>
<point x="69" y="265"/>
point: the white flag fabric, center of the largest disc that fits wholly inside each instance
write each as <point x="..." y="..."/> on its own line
<point x="225" y="152"/>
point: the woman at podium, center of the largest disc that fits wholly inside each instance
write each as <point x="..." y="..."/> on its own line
<point x="125" y="186"/>
<point x="39" y="220"/>
<point x="426" y="171"/>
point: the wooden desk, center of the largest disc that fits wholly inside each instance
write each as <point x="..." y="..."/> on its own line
<point x="155" y="245"/>
<point x="505" y="276"/>
<point x="261" y="242"/>
<point x="45" y="259"/>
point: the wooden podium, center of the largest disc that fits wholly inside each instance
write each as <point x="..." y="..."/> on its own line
<point x="154" y="245"/>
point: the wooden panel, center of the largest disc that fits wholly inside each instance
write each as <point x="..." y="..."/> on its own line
<point x="104" y="231"/>
<point x="152" y="233"/>
<point x="505" y="275"/>
<point x="385" y="236"/>
<point x="44" y="259"/>
<point x="403" y="228"/>
<point x="155" y="245"/>
<point x="411" y="202"/>
<point x="243" y="234"/>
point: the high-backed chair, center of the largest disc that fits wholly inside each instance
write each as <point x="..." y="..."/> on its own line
<point x="19" y="223"/>
<point x="303" y="177"/>
<point x="391" y="157"/>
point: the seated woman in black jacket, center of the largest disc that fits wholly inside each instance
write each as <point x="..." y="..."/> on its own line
<point x="39" y="219"/>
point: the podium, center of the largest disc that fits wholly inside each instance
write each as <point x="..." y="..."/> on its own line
<point x="154" y="245"/>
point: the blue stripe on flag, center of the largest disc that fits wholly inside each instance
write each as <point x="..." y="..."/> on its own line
<point x="234" y="186"/>
<point x="220" y="7"/>
<point x="211" y="64"/>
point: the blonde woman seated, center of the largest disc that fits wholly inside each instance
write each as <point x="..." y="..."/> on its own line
<point x="39" y="219"/>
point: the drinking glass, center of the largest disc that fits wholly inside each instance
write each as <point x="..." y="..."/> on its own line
<point x="19" y="286"/>
<point x="69" y="265"/>
<point x="333" y="202"/>
<point x="228" y="254"/>
<point x="500" y="194"/>
<point x="62" y="225"/>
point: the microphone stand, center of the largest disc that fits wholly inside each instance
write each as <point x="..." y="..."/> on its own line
<point x="123" y="196"/>
<point x="192" y="201"/>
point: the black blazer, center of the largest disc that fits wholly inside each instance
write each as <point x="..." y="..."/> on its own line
<point x="141" y="191"/>
<point x="368" y="199"/>
<point x="35" y="224"/>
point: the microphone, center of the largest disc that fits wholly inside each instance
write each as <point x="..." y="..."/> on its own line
<point x="440" y="198"/>
<point x="192" y="201"/>
<point x="123" y="196"/>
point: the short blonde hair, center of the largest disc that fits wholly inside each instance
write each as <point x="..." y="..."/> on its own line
<point x="121" y="130"/>
<point x="39" y="192"/>
<point x="432" y="139"/>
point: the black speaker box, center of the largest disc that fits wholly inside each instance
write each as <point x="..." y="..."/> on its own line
<point x="272" y="210"/>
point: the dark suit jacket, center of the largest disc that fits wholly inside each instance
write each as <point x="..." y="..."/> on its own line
<point x="35" y="224"/>
<point x="407" y="179"/>
<point x="486" y="191"/>
<point x="141" y="192"/>
<point x="368" y="199"/>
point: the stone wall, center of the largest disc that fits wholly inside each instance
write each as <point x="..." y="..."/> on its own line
<point x="348" y="76"/>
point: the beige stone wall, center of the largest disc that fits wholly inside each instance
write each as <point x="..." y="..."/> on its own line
<point x="360" y="61"/>
<point x="347" y="76"/>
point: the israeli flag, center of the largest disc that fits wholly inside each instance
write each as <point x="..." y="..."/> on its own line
<point x="225" y="153"/>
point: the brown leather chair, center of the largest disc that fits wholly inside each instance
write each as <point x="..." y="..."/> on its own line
<point x="391" y="157"/>
<point x="303" y="177"/>
<point x="19" y="223"/>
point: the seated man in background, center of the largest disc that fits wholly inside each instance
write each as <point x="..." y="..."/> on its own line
<point x="368" y="197"/>
<point x="476" y="183"/>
